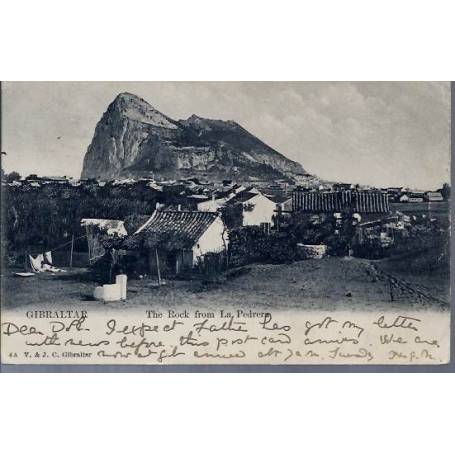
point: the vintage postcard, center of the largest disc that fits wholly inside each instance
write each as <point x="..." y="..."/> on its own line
<point x="238" y="223"/>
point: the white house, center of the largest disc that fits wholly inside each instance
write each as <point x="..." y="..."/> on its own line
<point x="225" y="195"/>
<point x="404" y="198"/>
<point x="212" y="205"/>
<point x="257" y="209"/>
<point x="433" y="196"/>
<point x="416" y="197"/>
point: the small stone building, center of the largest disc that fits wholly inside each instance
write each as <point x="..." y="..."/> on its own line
<point x="178" y="240"/>
<point x="97" y="230"/>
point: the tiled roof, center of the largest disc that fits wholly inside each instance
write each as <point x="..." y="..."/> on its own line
<point x="242" y="197"/>
<point x="340" y="201"/>
<point x="416" y="194"/>
<point x="279" y="199"/>
<point x="183" y="227"/>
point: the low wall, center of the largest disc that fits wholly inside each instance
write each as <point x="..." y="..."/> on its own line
<point x="312" y="251"/>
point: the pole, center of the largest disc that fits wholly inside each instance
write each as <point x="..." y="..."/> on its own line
<point x="391" y="290"/>
<point x="158" y="266"/>
<point x="88" y="245"/>
<point x="72" y="248"/>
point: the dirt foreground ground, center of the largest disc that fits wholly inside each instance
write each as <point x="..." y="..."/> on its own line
<point x="326" y="284"/>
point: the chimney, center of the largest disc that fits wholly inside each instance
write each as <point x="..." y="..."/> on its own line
<point x="179" y="207"/>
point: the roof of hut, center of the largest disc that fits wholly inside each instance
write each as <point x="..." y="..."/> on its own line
<point x="172" y="229"/>
<point x="339" y="201"/>
<point x="109" y="227"/>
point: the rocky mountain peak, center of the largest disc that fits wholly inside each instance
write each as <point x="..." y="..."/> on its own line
<point x="135" y="108"/>
<point x="129" y="97"/>
<point x="133" y="139"/>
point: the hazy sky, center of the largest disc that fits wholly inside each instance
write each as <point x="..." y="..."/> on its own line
<point x="385" y="133"/>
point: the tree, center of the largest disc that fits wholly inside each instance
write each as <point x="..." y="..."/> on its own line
<point x="12" y="177"/>
<point x="445" y="191"/>
<point x="232" y="215"/>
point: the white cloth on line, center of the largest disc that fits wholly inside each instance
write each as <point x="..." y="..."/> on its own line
<point x="48" y="257"/>
<point x="36" y="263"/>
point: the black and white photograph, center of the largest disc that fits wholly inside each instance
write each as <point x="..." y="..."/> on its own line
<point x="225" y="202"/>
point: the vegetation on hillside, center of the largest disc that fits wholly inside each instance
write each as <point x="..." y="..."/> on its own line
<point x="44" y="217"/>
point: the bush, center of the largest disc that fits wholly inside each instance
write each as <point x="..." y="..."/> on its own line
<point x="211" y="266"/>
<point x="251" y="244"/>
<point x="232" y="215"/>
<point x="337" y="245"/>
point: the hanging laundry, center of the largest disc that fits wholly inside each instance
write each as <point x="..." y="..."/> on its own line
<point x="36" y="263"/>
<point x="48" y="257"/>
<point x="42" y="263"/>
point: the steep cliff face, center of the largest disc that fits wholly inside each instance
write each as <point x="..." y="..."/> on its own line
<point x="235" y="138"/>
<point x="133" y="139"/>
